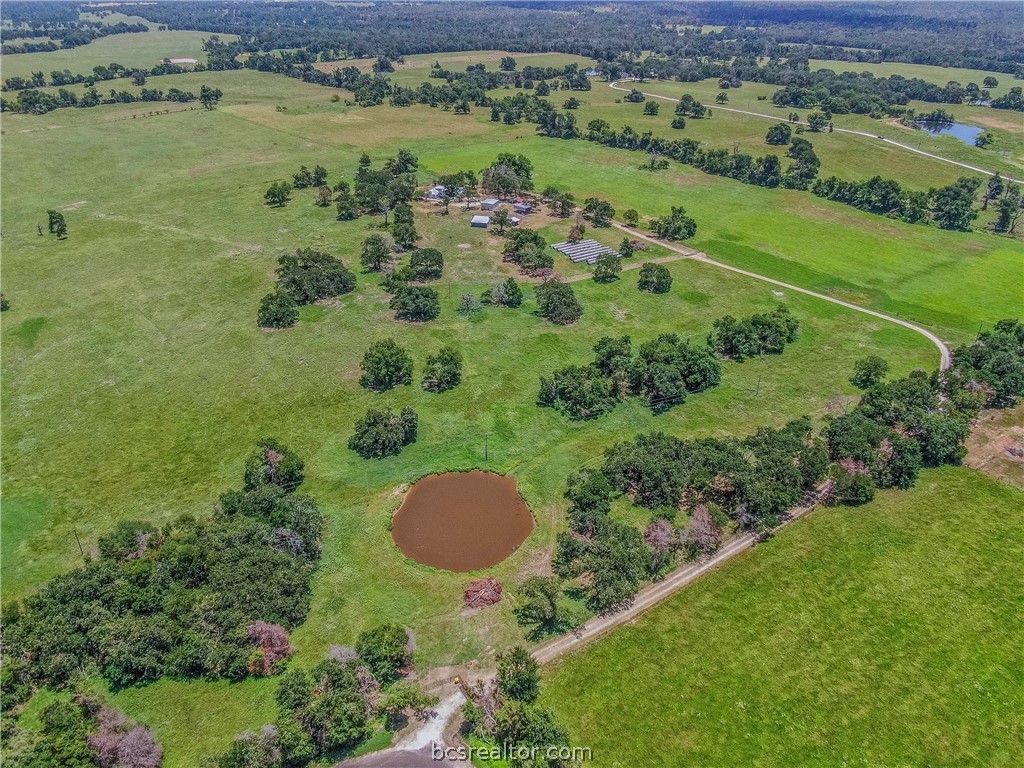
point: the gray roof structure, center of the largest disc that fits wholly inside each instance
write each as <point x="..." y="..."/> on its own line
<point x="584" y="250"/>
<point x="480" y="221"/>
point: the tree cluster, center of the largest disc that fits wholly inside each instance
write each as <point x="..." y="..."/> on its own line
<point x="382" y="433"/>
<point x="662" y="373"/>
<point x="178" y="601"/>
<point x="304" y="277"/>
<point x="758" y="335"/>
<point x="81" y="732"/>
<point x="333" y="706"/>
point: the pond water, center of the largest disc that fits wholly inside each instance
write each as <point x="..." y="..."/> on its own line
<point x="462" y="521"/>
<point x="966" y="133"/>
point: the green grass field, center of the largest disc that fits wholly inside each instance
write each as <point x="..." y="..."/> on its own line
<point x="132" y="49"/>
<point x="136" y="379"/>
<point x="883" y="635"/>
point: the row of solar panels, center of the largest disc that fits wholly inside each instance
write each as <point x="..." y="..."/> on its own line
<point x="584" y="250"/>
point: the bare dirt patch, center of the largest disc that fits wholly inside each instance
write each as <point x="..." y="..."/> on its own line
<point x="995" y="122"/>
<point x="996" y="445"/>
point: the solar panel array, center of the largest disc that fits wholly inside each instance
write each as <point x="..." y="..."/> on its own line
<point x="584" y="250"/>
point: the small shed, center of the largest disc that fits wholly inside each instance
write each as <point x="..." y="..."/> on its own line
<point x="514" y="221"/>
<point x="490" y="204"/>
<point x="480" y="221"/>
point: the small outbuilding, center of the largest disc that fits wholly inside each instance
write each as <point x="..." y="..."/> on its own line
<point x="514" y="221"/>
<point x="480" y="221"/>
<point x="522" y="208"/>
<point x="490" y="204"/>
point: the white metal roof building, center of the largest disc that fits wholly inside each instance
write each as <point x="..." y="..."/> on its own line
<point x="480" y="221"/>
<point x="491" y="203"/>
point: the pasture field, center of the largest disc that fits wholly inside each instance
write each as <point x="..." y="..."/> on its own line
<point x="845" y="155"/>
<point x="885" y="635"/>
<point x="135" y="378"/>
<point x="132" y="49"/>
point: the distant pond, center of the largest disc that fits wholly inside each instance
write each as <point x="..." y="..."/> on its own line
<point x="966" y="133"/>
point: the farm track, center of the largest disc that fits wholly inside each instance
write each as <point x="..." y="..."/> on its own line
<point x="775" y="118"/>
<point x="681" y="252"/>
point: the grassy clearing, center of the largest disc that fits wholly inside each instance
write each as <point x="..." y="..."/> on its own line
<point x="132" y="49"/>
<point x="135" y="378"/>
<point x="909" y="608"/>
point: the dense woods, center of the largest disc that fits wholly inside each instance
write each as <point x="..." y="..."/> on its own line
<point x="975" y="36"/>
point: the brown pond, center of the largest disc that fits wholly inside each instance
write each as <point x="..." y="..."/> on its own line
<point x="462" y="521"/>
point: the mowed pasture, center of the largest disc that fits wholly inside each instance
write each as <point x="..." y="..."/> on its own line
<point x="882" y="635"/>
<point x="131" y="49"/>
<point x="136" y="379"/>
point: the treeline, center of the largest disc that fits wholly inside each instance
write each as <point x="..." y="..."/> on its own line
<point x="899" y="427"/>
<point x="979" y="36"/>
<point x="67" y="35"/>
<point x="33" y="102"/>
<point x="949" y="207"/>
<point x="112" y="71"/>
<point x="213" y="599"/>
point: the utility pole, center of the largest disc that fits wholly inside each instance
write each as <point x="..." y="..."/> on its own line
<point x="758" y="390"/>
<point x="79" y="542"/>
<point x="485" y="446"/>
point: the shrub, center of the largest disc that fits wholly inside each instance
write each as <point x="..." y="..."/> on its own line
<point x="558" y="303"/>
<point x="518" y="676"/>
<point x="385" y="365"/>
<point x="275" y="464"/>
<point x="654" y="278"/>
<point x="869" y="371"/>
<point x="607" y="268"/>
<point x="277" y="310"/>
<point x="382" y="433"/>
<point x="384" y="650"/>
<point x="278" y="194"/>
<point x="444" y="370"/>
<point x="416" y="303"/>
<point x="427" y="263"/>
